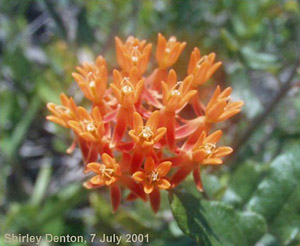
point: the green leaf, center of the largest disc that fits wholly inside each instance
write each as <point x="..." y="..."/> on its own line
<point x="41" y="184"/>
<point x="214" y="223"/>
<point x="286" y="225"/>
<point x="277" y="197"/>
<point x="259" y="60"/>
<point x="229" y="40"/>
<point x="243" y="183"/>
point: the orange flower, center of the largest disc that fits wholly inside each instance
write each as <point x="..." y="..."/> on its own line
<point x="153" y="179"/>
<point x="144" y="137"/>
<point x="134" y="53"/>
<point x="107" y="173"/>
<point x="148" y="135"/>
<point x="89" y="127"/>
<point x="167" y="52"/>
<point x="205" y="150"/>
<point x="127" y="90"/>
<point x="152" y="176"/>
<point x="220" y="108"/>
<point x="92" y="79"/>
<point x="63" y="113"/>
<point x="140" y="121"/>
<point x="176" y="94"/>
<point x="202" y="68"/>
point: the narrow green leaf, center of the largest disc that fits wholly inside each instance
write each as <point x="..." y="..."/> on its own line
<point x="41" y="185"/>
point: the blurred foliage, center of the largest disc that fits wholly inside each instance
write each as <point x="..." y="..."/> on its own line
<point x="42" y="41"/>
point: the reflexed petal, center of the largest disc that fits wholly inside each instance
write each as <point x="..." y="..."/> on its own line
<point x="135" y="188"/>
<point x="149" y="165"/>
<point x="190" y="127"/>
<point x="137" y="160"/>
<point x="155" y="200"/>
<point x="181" y="174"/>
<point x="115" y="196"/>
<point x="131" y="197"/>
<point x="197" y="179"/>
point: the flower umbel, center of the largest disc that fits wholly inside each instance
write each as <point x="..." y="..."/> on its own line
<point x="135" y="135"/>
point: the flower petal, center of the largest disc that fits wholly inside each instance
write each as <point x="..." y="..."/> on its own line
<point x="163" y="168"/>
<point x="197" y="178"/>
<point x="149" y="165"/>
<point x="115" y="196"/>
<point x="155" y="200"/>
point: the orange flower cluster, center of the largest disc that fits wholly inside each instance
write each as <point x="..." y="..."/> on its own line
<point x="134" y="137"/>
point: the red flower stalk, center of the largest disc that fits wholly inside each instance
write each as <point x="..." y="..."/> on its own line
<point x="139" y="120"/>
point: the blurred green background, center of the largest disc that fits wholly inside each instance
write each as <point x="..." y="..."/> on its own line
<point x="41" y="42"/>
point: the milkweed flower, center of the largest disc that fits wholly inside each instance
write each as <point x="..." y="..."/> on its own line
<point x="153" y="178"/>
<point x="62" y="114"/>
<point x="204" y="152"/>
<point x="145" y="137"/>
<point x="135" y="135"/>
